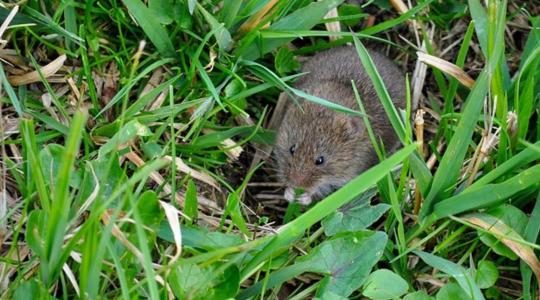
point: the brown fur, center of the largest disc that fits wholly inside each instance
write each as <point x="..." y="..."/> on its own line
<point x="341" y="139"/>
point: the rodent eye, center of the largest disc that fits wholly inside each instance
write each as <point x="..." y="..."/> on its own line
<point x="319" y="160"/>
<point x="292" y="149"/>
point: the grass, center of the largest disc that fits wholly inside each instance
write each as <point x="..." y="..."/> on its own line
<point x="132" y="169"/>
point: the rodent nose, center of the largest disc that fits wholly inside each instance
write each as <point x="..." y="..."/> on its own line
<point x="297" y="179"/>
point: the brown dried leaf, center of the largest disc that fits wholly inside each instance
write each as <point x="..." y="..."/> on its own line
<point x="182" y="167"/>
<point x="446" y="67"/>
<point x="47" y="71"/>
<point x="508" y="237"/>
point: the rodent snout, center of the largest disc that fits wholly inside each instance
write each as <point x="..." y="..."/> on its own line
<point x="297" y="180"/>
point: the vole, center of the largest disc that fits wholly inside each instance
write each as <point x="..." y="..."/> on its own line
<point x="318" y="149"/>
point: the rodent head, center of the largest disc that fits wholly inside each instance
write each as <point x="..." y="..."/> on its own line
<point x="319" y="150"/>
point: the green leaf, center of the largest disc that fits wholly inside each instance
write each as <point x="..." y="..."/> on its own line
<point x="127" y="133"/>
<point x="31" y="289"/>
<point x="348" y="260"/>
<point x="377" y="286"/>
<point x="200" y="238"/>
<point x="462" y="276"/>
<point x="51" y="156"/>
<point x="452" y="291"/>
<point x="515" y="219"/>
<point x="149" y="209"/>
<point x="222" y="35"/>
<point x="352" y="13"/>
<point x="151" y="26"/>
<point x="355" y="216"/>
<point x="419" y="295"/>
<point x="191" y="204"/>
<point x="285" y="61"/>
<point x="486" y="274"/>
<point x="189" y="281"/>
<point x="163" y="10"/>
<point x="345" y="260"/>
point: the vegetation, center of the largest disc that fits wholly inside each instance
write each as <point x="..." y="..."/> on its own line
<point x="135" y="147"/>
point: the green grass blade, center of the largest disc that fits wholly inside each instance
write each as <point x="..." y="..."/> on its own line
<point x="462" y="276"/>
<point x="531" y="235"/>
<point x="448" y="170"/>
<point x="125" y="90"/>
<point x="58" y="218"/>
<point x="301" y="19"/>
<point x="151" y="26"/>
<point x="11" y="93"/>
<point x="487" y="195"/>
<point x="524" y="157"/>
<point x="222" y="35"/>
<point x="381" y="90"/>
<point x="34" y="169"/>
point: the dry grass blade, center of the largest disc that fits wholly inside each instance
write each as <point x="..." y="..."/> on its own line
<point x="72" y="279"/>
<point x="172" y="216"/>
<point x="256" y="19"/>
<point x="117" y="233"/>
<point x="333" y="26"/>
<point x="508" y="237"/>
<point x="447" y="67"/>
<point x="182" y="167"/>
<point x="6" y="22"/>
<point x="47" y="71"/>
<point x="399" y="6"/>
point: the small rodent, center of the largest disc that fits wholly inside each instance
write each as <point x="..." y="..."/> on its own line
<point x="318" y="149"/>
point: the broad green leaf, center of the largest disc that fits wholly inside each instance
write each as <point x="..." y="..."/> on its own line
<point x="344" y="260"/>
<point x="151" y="27"/>
<point x="201" y="238"/>
<point x="51" y="156"/>
<point x="512" y="217"/>
<point x="348" y="260"/>
<point x="486" y="274"/>
<point x="191" y="208"/>
<point x="355" y="216"/>
<point x="222" y="35"/>
<point x="127" y="133"/>
<point x="285" y="61"/>
<point x="462" y="276"/>
<point x="190" y="281"/>
<point x="384" y="284"/>
<point x="351" y="13"/>
<point x="149" y="209"/>
<point x="452" y="291"/>
<point x="163" y="10"/>
<point x="32" y="289"/>
<point x="419" y="295"/>
<point x="229" y="12"/>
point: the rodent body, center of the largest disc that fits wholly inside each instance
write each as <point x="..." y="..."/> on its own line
<point x="318" y="149"/>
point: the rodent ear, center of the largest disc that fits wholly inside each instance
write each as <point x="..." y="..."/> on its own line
<point x="354" y="125"/>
